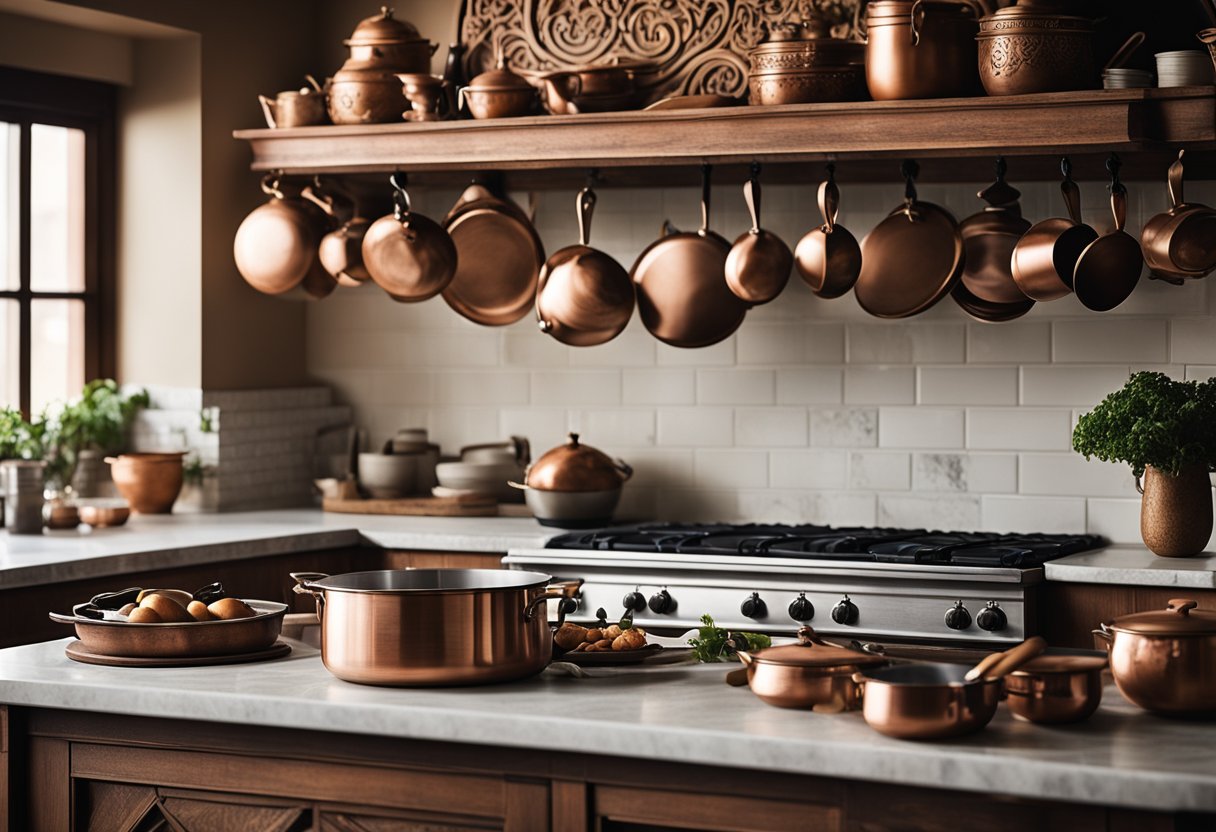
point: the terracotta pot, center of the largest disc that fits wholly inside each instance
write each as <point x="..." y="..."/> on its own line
<point x="1176" y="511"/>
<point x="149" y="482"/>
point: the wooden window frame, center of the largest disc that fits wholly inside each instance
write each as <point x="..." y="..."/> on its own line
<point x="28" y="98"/>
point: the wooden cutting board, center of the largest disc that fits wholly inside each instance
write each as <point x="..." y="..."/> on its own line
<point x="467" y="506"/>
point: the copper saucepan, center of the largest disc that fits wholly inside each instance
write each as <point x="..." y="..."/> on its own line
<point x="1045" y="257"/>
<point x="683" y="298"/>
<point x="1057" y="688"/>
<point x="811" y="675"/>
<point x="341" y="250"/>
<point x="584" y="296"/>
<point x="408" y="255"/>
<point x="828" y="257"/>
<point x="987" y="290"/>
<point x="936" y="701"/>
<point x="759" y="263"/>
<point x="1109" y="268"/>
<point x="1180" y="243"/>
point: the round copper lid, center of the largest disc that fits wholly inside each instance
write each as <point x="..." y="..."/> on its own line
<point x="382" y="28"/>
<point x="1180" y="617"/>
<point x="810" y="651"/>
<point x="1034" y="15"/>
<point x="576" y="467"/>
<point x="500" y="78"/>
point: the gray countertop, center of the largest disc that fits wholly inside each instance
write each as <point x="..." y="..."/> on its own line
<point x="682" y="713"/>
<point x="1134" y="566"/>
<point x="163" y="541"/>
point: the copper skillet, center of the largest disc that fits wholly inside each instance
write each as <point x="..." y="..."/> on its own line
<point x="828" y="257"/>
<point x="584" y="296"/>
<point x="912" y="259"/>
<point x="1045" y="258"/>
<point x="499" y="257"/>
<point x="683" y="298"/>
<point x="1109" y="268"/>
<point x="759" y="263"/>
<point x="1180" y="243"/>
<point x="408" y="255"/>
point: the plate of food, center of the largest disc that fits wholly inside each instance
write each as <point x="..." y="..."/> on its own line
<point x="601" y="646"/>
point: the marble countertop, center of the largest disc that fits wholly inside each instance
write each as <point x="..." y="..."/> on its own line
<point x="1134" y="566"/>
<point x="163" y="541"/>
<point x="682" y="713"/>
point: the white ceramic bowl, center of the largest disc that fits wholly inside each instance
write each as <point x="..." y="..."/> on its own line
<point x="481" y="477"/>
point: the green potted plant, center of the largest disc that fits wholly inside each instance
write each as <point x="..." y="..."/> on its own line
<point x="86" y="429"/>
<point x="1166" y="431"/>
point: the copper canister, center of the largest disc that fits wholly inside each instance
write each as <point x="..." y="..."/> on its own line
<point x="1026" y="49"/>
<point x="921" y="49"/>
<point x="805" y="64"/>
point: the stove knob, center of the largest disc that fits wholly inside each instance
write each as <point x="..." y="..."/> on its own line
<point x="662" y="603"/>
<point x="754" y="607"/>
<point x="957" y="617"/>
<point x="992" y="618"/>
<point x="801" y="609"/>
<point x="845" y="612"/>
<point x="634" y="601"/>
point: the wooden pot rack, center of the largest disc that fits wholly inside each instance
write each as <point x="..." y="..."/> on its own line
<point x="955" y="140"/>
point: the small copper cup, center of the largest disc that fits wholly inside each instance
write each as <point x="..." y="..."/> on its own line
<point x="427" y="95"/>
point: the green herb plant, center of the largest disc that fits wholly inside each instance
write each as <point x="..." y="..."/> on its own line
<point x="713" y="644"/>
<point x="98" y="421"/>
<point x="1153" y="420"/>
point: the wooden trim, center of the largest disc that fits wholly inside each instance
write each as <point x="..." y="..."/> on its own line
<point x="571" y="802"/>
<point x="1074" y="122"/>
<point x="727" y="813"/>
<point x="49" y="785"/>
<point x="7" y="791"/>
<point x="527" y="806"/>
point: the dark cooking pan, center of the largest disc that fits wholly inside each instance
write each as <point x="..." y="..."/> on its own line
<point x="1109" y="268"/>
<point x="1046" y="256"/>
<point x="912" y="259"/>
<point x="499" y="257"/>
<point x="987" y="290"/>
<point x="680" y="278"/>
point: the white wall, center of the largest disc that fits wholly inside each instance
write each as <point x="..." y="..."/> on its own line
<point x="813" y="411"/>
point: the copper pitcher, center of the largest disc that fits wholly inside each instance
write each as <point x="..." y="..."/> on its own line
<point x="922" y="49"/>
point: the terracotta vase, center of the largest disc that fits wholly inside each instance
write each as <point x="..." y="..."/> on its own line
<point x="1176" y="511"/>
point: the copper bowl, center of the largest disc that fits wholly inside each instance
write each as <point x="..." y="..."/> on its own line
<point x="101" y="514"/>
<point x="150" y="482"/>
<point x="180" y="640"/>
<point x="927" y="701"/>
<point x="1056" y="689"/>
<point x="1022" y="52"/>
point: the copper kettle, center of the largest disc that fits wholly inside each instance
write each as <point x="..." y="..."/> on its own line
<point x="366" y="89"/>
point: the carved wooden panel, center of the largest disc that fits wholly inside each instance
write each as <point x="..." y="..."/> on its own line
<point x="700" y="46"/>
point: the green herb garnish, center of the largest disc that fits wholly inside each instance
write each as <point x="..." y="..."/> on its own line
<point x="713" y="644"/>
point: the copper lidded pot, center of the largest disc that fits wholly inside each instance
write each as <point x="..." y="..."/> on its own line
<point x="800" y="64"/>
<point x="922" y="49"/>
<point x="812" y="674"/>
<point x="1165" y="660"/>
<point x="432" y="627"/>
<point x="574" y="486"/>
<point x="1035" y="47"/>
<point x="366" y="89"/>
<point x="498" y="93"/>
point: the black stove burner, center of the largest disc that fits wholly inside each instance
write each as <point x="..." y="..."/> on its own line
<point x="808" y="542"/>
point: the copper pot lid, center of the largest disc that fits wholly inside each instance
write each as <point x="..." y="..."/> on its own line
<point x="500" y="78"/>
<point x="811" y="651"/>
<point x="381" y="29"/>
<point x="1033" y="15"/>
<point x="576" y="467"/>
<point x="1180" y="617"/>
<point x="912" y="259"/>
<point x="887" y="12"/>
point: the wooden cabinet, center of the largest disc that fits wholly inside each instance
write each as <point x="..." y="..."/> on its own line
<point x="66" y="770"/>
<point x="1068" y="613"/>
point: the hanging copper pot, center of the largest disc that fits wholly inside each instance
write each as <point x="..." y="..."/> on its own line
<point x="584" y="296"/>
<point x="1180" y="243"/>
<point x="408" y="255"/>
<point x="276" y="246"/>
<point x="1045" y="257"/>
<point x="828" y="257"/>
<point x="1109" y="268"/>
<point x="987" y="290"/>
<point x="922" y="49"/>
<point x="758" y="265"/>
<point x="341" y="250"/>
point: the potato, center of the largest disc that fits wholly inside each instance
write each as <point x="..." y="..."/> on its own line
<point x="229" y="608"/>
<point x="169" y="610"/>
<point x="613" y="631"/>
<point x="569" y="636"/>
<point x="603" y="644"/>
<point x="629" y="640"/>
<point x="144" y="615"/>
<point x="182" y="597"/>
<point x="128" y="609"/>
<point x="199" y="612"/>
<point x="594" y="634"/>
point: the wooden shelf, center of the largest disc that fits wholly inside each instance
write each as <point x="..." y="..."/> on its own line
<point x="1089" y="123"/>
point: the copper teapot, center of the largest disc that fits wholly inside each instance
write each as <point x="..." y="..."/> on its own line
<point x="295" y="108"/>
<point x="366" y="89"/>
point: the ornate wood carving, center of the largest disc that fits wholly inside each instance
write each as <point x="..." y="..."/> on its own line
<point x="700" y="46"/>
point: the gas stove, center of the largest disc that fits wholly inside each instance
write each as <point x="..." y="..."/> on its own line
<point x="904" y="585"/>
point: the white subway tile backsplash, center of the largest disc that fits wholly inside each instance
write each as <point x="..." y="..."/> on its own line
<point x="614" y="427"/>
<point x="721" y="354"/>
<point x="844" y="427"/>
<point x="920" y="427"/>
<point x="1193" y="341"/>
<point x="808" y="469"/>
<point x="795" y="343"/>
<point x="736" y="386"/>
<point x="916" y="511"/>
<point x="659" y="468"/>
<point x="810" y="385"/>
<point x="1040" y="514"/>
<point x="665" y="387"/>
<point x="635" y="347"/>
<point x="697" y="427"/>
<point x="1014" y="343"/>
<point x="576" y="387"/>
<point x="1200" y="372"/>
<point x="1070" y="385"/>
<point x="545" y="427"/>
<point x="1116" y="520"/>
<point x="971" y="472"/>
<point x="770" y="427"/>
<point x="494" y="387"/>
<point x="892" y="343"/>
<point x="1072" y="475"/>
<point x="1111" y="340"/>
<point x="1019" y="429"/>
<point x="730" y="468"/>
<point x="838" y="508"/>
<point x="880" y="385"/>
<point x="879" y="471"/>
<point x="525" y="349"/>
<point x="967" y="385"/>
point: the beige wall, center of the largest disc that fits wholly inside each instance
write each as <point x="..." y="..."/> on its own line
<point x="46" y="46"/>
<point x="435" y="20"/>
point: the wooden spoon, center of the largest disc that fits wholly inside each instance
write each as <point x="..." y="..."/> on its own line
<point x="1002" y="664"/>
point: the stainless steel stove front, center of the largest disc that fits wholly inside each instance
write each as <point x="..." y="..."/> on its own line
<point x="842" y="599"/>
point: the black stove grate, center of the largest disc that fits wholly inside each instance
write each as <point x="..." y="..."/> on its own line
<point x="811" y="542"/>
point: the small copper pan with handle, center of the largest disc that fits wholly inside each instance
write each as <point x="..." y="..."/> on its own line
<point x="1109" y="268"/>
<point x="1180" y="244"/>
<point x="1045" y="257"/>
<point x="759" y="263"/>
<point x="408" y="255"/>
<point x="828" y="257"/>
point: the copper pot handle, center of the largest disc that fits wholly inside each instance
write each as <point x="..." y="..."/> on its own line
<point x="60" y="618"/>
<point x="585" y="205"/>
<point x="1118" y="205"/>
<point x="1070" y="192"/>
<point x="1103" y="632"/>
<point x="304" y="586"/>
<point x="918" y="13"/>
<point x="623" y="468"/>
<point x="1175" y="181"/>
<point x="1182" y="606"/>
<point x="751" y="195"/>
<point x="551" y="593"/>
<point x="829" y="201"/>
<point x="706" y="170"/>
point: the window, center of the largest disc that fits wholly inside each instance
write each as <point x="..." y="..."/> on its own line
<point x="56" y="236"/>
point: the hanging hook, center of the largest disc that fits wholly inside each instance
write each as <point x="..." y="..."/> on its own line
<point x="401" y="199"/>
<point x="830" y="167"/>
<point x="1113" y="164"/>
<point x="593" y="178"/>
<point x="1066" y="167"/>
<point x="1001" y="168"/>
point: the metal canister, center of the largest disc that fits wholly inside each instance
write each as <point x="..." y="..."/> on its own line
<point x="21" y="486"/>
<point x="922" y="49"/>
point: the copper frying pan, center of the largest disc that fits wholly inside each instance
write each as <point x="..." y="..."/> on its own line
<point x="1109" y="268"/>
<point x="1180" y="243"/>
<point x="584" y="297"/>
<point x="1045" y="258"/>
<point x="759" y="263"/>
<point x="912" y="259"/>
<point x="499" y="258"/>
<point x="408" y="255"/>
<point x="828" y="257"/>
<point x="683" y="298"/>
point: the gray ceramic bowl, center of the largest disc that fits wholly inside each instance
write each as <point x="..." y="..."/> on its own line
<point x="572" y="509"/>
<point x="388" y="476"/>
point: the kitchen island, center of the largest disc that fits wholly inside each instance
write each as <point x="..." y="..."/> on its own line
<point x="669" y="745"/>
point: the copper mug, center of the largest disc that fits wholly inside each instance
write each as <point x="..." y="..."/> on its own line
<point x="427" y="94"/>
<point x="922" y="49"/>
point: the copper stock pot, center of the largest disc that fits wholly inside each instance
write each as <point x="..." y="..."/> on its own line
<point x="433" y="627"/>
<point x="922" y="49"/>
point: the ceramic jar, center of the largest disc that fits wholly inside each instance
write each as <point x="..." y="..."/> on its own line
<point x="1176" y="511"/>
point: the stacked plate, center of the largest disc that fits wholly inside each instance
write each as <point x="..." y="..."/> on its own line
<point x="1122" y="78"/>
<point x="1184" y="68"/>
